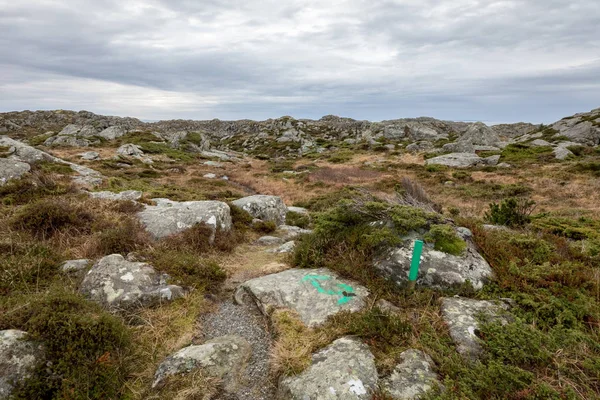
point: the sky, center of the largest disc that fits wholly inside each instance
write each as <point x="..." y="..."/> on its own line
<point x="486" y="60"/>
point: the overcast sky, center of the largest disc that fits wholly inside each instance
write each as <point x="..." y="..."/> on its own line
<point x="488" y="60"/>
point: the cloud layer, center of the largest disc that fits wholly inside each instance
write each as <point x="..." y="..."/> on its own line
<point x="491" y="60"/>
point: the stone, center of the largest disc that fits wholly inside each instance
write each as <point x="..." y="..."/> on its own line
<point x="437" y="269"/>
<point x="18" y="359"/>
<point x="112" y="132"/>
<point x="460" y="314"/>
<point x="67" y="141"/>
<point x="480" y="134"/>
<point x="298" y="210"/>
<point x="12" y="169"/>
<point x="268" y="241"/>
<point x="504" y="165"/>
<point x="215" y="164"/>
<point x="314" y="294"/>
<point x="287" y="247"/>
<point x="169" y="217"/>
<point x="459" y="147"/>
<point x="223" y="357"/>
<point x="210" y="176"/>
<point x="583" y="128"/>
<point x="132" y="195"/>
<point x="87" y="176"/>
<point x="457" y="160"/>
<point x="387" y="306"/>
<point x="292" y="232"/>
<point x="90" y="156"/>
<point x="562" y="153"/>
<point x="344" y="370"/>
<point x="132" y="150"/>
<point x="419" y="147"/>
<point x="539" y="143"/>
<point x="266" y="208"/>
<point x="75" y="265"/>
<point x="120" y="284"/>
<point x="25" y="153"/>
<point x="412" y="378"/>
<point x="491" y="160"/>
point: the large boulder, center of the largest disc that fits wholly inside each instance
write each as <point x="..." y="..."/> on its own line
<point x="461" y="316"/>
<point x="12" y="169"/>
<point x="266" y="208"/>
<point x="343" y="370"/>
<point x="583" y="128"/>
<point x="112" y="132"/>
<point x="168" y="217"/>
<point x="24" y="152"/>
<point x="129" y="149"/>
<point x="314" y="294"/>
<point x="437" y="269"/>
<point x="413" y="377"/>
<point x="18" y="358"/>
<point x="457" y="160"/>
<point x="74" y="135"/>
<point x="119" y="284"/>
<point x="224" y="357"/>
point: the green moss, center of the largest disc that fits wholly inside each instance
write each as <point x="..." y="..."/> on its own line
<point x="519" y="152"/>
<point x="39" y="139"/>
<point x="31" y="189"/>
<point x="341" y="156"/>
<point x="57" y="168"/>
<point x="445" y="239"/>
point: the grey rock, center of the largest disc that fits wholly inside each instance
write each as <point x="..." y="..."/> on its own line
<point x="539" y="143"/>
<point x="169" y="217"/>
<point x="67" y="141"/>
<point x="215" y="164"/>
<point x="459" y="147"/>
<point x="90" y="156"/>
<point x="344" y="370"/>
<point x="126" y="195"/>
<point x="413" y="377"/>
<point x="480" y="134"/>
<point x="268" y="241"/>
<point x="437" y="269"/>
<point x="18" y="358"/>
<point x="387" y="306"/>
<point x="223" y="357"/>
<point x="24" y="152"/>
<point x="419" y="147"/>
<point x="457" y="160"/>
<point x="292" y="232"/>
<point x="562" y="153"/>
<point x="504" y="165"/>
<point x="87" y="176"/>
<point x="120" y="284"/>
<point x="576" y="128"/>
<point x="488" y="148"/>
<point x="267" y="208"/>
<point x="315" y="293"/>
<point x="210" y="176"/>
<point x="287" y="247"/>
<point x="460" y="314"/>
<point x="12" y="169"/>
<point x="112" y="132"/>
<point x="75" y="265"/>
<point x="129" y="149"/>
<point x="513" y="130"/>
<point x="491" y="160"/>
<point x="298" y="210"/>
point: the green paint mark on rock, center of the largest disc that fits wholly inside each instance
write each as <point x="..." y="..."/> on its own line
<point x="346" y="291"/>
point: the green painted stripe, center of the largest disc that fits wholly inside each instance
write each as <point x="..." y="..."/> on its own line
<point x="416" y="260"/>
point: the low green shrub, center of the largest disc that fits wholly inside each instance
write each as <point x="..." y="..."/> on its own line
<point x="126" y="236"/>
<point x="264" y="226"/>
<point x="187" y="268"/>
<point x="32" y="188"/>
<point x="26" y="267"/>
<point x="444" y="238"/>
<point x="511" y="212"/>
<point x="297" y="219"/>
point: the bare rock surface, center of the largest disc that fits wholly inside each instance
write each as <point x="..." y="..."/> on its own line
<point x="457" y="160"/>
<point x="12" y="169"/>
<point x="314" y="294"/>
<point x="168" y="217"/>
<point x="461" y="315"/>
<point x="266" y="208"/>
<point x="75" y="265"/>
<point x="117" y="283"/>
<point x="125" y="195"/>
<point x="344" y="370"/>
<point x="413" y="377"/>
<point x="18" y="358"/>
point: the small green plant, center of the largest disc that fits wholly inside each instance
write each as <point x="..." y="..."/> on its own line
<point x="444" y="238"/>
<point x="511" y="212"/>
<point x="297" y="219"/>
<point x="264" y="226"/>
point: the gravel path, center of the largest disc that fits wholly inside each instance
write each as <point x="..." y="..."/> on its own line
<point x="247" y="322"/>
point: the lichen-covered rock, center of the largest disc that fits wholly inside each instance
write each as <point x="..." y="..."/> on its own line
<point x="460" y="314"/>
<point x="285" y="248"/>
<point x="169" y="217"/>
<point x="117" y="283"/>
<point x="583" y="128"/>
<point x="298" y="210"/>
<point x="24" y="152"/>
<point x="266" y="208"/>
<point x="112" y="132"/>
<point x="18" y="358"/>
<point x="268" y="241"/>
<point x="90" y="155"/>
<point x="86" y="176"/>
<point x="437" y="269"/>
<point x="314" y="294"/>
<point x="223" y="357"/>
<point x="418" y="147"/>
<point x="292" y="232"/>
<point x="413" y="377"/>
<point x="75" y="265"/>
<point x="12" y="169"/>
<point x="344" y="370"/>
<point x="132" y="150"/>
<point x="126" y="195"/>
<point x="491" y="160"/>
<point x="457" y="160"/>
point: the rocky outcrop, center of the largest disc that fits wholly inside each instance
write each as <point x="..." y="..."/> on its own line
<point x="120" y="284"/>
<point x="266" y="208"/>
<point x="168" y="217"/>
<point x="132" y="195"/>
<point x="461" y="316"/>
<point x="285" y="248"/>
<point x="18" y="358"/>
<point x="130" y="150"/>
<point x="412" y="378"/>
<point x="456" y="160"/>
<point x="314" y="294"/>
<point x="437" y="269"/>
<point x="344" y="370"/>
<point x="90" y="156"/>
<point x="12" y="169"/>
<point x="583" y="128"/>
<point x="224" y="357"/>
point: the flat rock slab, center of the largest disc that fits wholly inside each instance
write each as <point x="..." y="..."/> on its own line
<point x="117" y="283"/>
<point x="75" y="265"/>
<point x="266" y="208"/>
<point x="169" y="217"/>
<point x="344" y="370"/>
<point x="126" y="195"/>
<point x="18" y="358"/>
<point x="285" y="248"/>
<point x="224" y="357"/>
<point x="314" y="294"/>
<point x="457" y="160"/>
<point x="413" y="377"/>
<point x="289" y="232"/>
<point x="438" y="269"/>
<point x="461" y="316"/>
<point x="268" y="241"/>
<point x="12" y="169"/>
